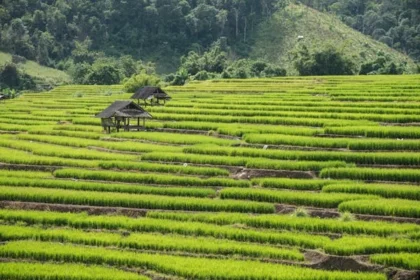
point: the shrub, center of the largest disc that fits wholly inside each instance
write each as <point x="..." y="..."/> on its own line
<point x="329" y="61"/>
<point x="141" y="80"/>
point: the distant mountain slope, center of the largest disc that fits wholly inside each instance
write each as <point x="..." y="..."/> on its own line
<point x="276" y="39"/>
<point x="43" y="75"/>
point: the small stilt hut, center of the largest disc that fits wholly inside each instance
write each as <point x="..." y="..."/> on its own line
<point x="119" y="113"/>
<point x="153" y="96"/>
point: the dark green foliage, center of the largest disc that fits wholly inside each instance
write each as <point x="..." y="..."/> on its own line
<point x="11" y="77"/>
<point x="271" y="71"/>
<point x="329" y="61"/>
<point x="52" y="31"/>
<point x="215" y="64"/>
<point x="258" y="67"/>
<point x="141" y="80"/>
<point x="381" y="65"/>
<point x="79" y="72"/>
<point x="103" y="74"/>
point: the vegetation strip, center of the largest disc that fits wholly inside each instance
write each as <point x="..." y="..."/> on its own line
<point x="130" y="200"/>
<point x="107" y="187"/>
<point x="131" y="177"/>
<point x="145" y="241"/>
<point x="197" y="268"/>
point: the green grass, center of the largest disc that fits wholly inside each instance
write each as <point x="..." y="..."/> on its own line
<point x="385" y="207"/>
<point x="29" y="271"/>
<point x="130" y="200"/>
<point x="197" y="268"/>
<point x="384" y="190"/>
<point x="402" y="260"/>
<point x="164" y="168"/>
<point x="45" y="74"/>
<point x="213" y="206"/>
<point x="326" y="200"/>
<point x="105" y="187"/>
<point x="294" y="184"/>
<point x="288" y="222"/>
<point x="333" y="143"/>
<point x="146" y="241"/>
<point x="81" y="220"/>
<point x="373" y="174"/>
<point x="150" y="178"/>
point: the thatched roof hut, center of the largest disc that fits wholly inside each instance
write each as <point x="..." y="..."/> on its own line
<point x="119" y="113"/>
<point x="152" y="94"/>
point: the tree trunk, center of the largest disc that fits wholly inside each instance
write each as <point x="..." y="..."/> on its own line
<point x="237" y="23"/>
<point x="245" y="26"/>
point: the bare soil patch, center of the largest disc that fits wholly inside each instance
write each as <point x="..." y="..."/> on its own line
<point x="290" y="147"/>
<point x="318" y="260"/>
<point x="401" y="124"/>
<point x="334" y="213"/>
<point x="403" y="275"/>
<point x="92" y="210"/>
<point x="9" y="132"/>
<point x="245" y="173"/>
<point x="10" y="166"/>
<point x="112" y="151"/>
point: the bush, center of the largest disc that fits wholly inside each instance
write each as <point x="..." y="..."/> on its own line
<point x="258" y="67"/>
<point x="300" y="212"/>
<point x="381" y="65"/>
<point x="347" y="217"/>
<point x="329" y="61"/>
<point x="11" y="77"/>
<point x="104" y="74"/>
<point x="18" y="59"/>
<point x="201" y="76"/>
<point x="271" y="71"/>
<point x="141" y="80"/>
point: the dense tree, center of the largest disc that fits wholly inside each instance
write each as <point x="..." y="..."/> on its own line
<point x="381" y="65"/>
<point x="215" y="64"/>
<point x="12" y="78"/>
<point x="329" y="61"/>
<point x="140" y="80"/>
<point x="52" y="31"/>
<point x="103" y="73"/>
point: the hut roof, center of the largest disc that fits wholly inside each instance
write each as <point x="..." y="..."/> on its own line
<point x="127" y="109"/>
<point x="2" y="96"/>
<point x="150" y="92"/>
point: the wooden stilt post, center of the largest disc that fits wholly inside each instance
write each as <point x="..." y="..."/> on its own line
<point x="138" y="124"/>
<point x="128" y="124"/>
<point x="144" y="122"/>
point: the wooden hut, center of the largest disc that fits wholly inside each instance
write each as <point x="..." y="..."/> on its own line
<point x="151" y="96"/>
<point x="118" y="115"/>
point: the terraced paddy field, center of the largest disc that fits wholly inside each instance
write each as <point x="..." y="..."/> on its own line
<point x="291" y="178"/>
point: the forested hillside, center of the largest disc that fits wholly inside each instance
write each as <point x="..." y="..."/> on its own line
<point x="281" y="38"/>
<point x="49" y="31"/>
<point x="396" y="23"/>
<point x="110" y="41"/>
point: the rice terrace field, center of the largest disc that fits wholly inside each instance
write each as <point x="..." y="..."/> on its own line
<point x="284" y="178"/>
